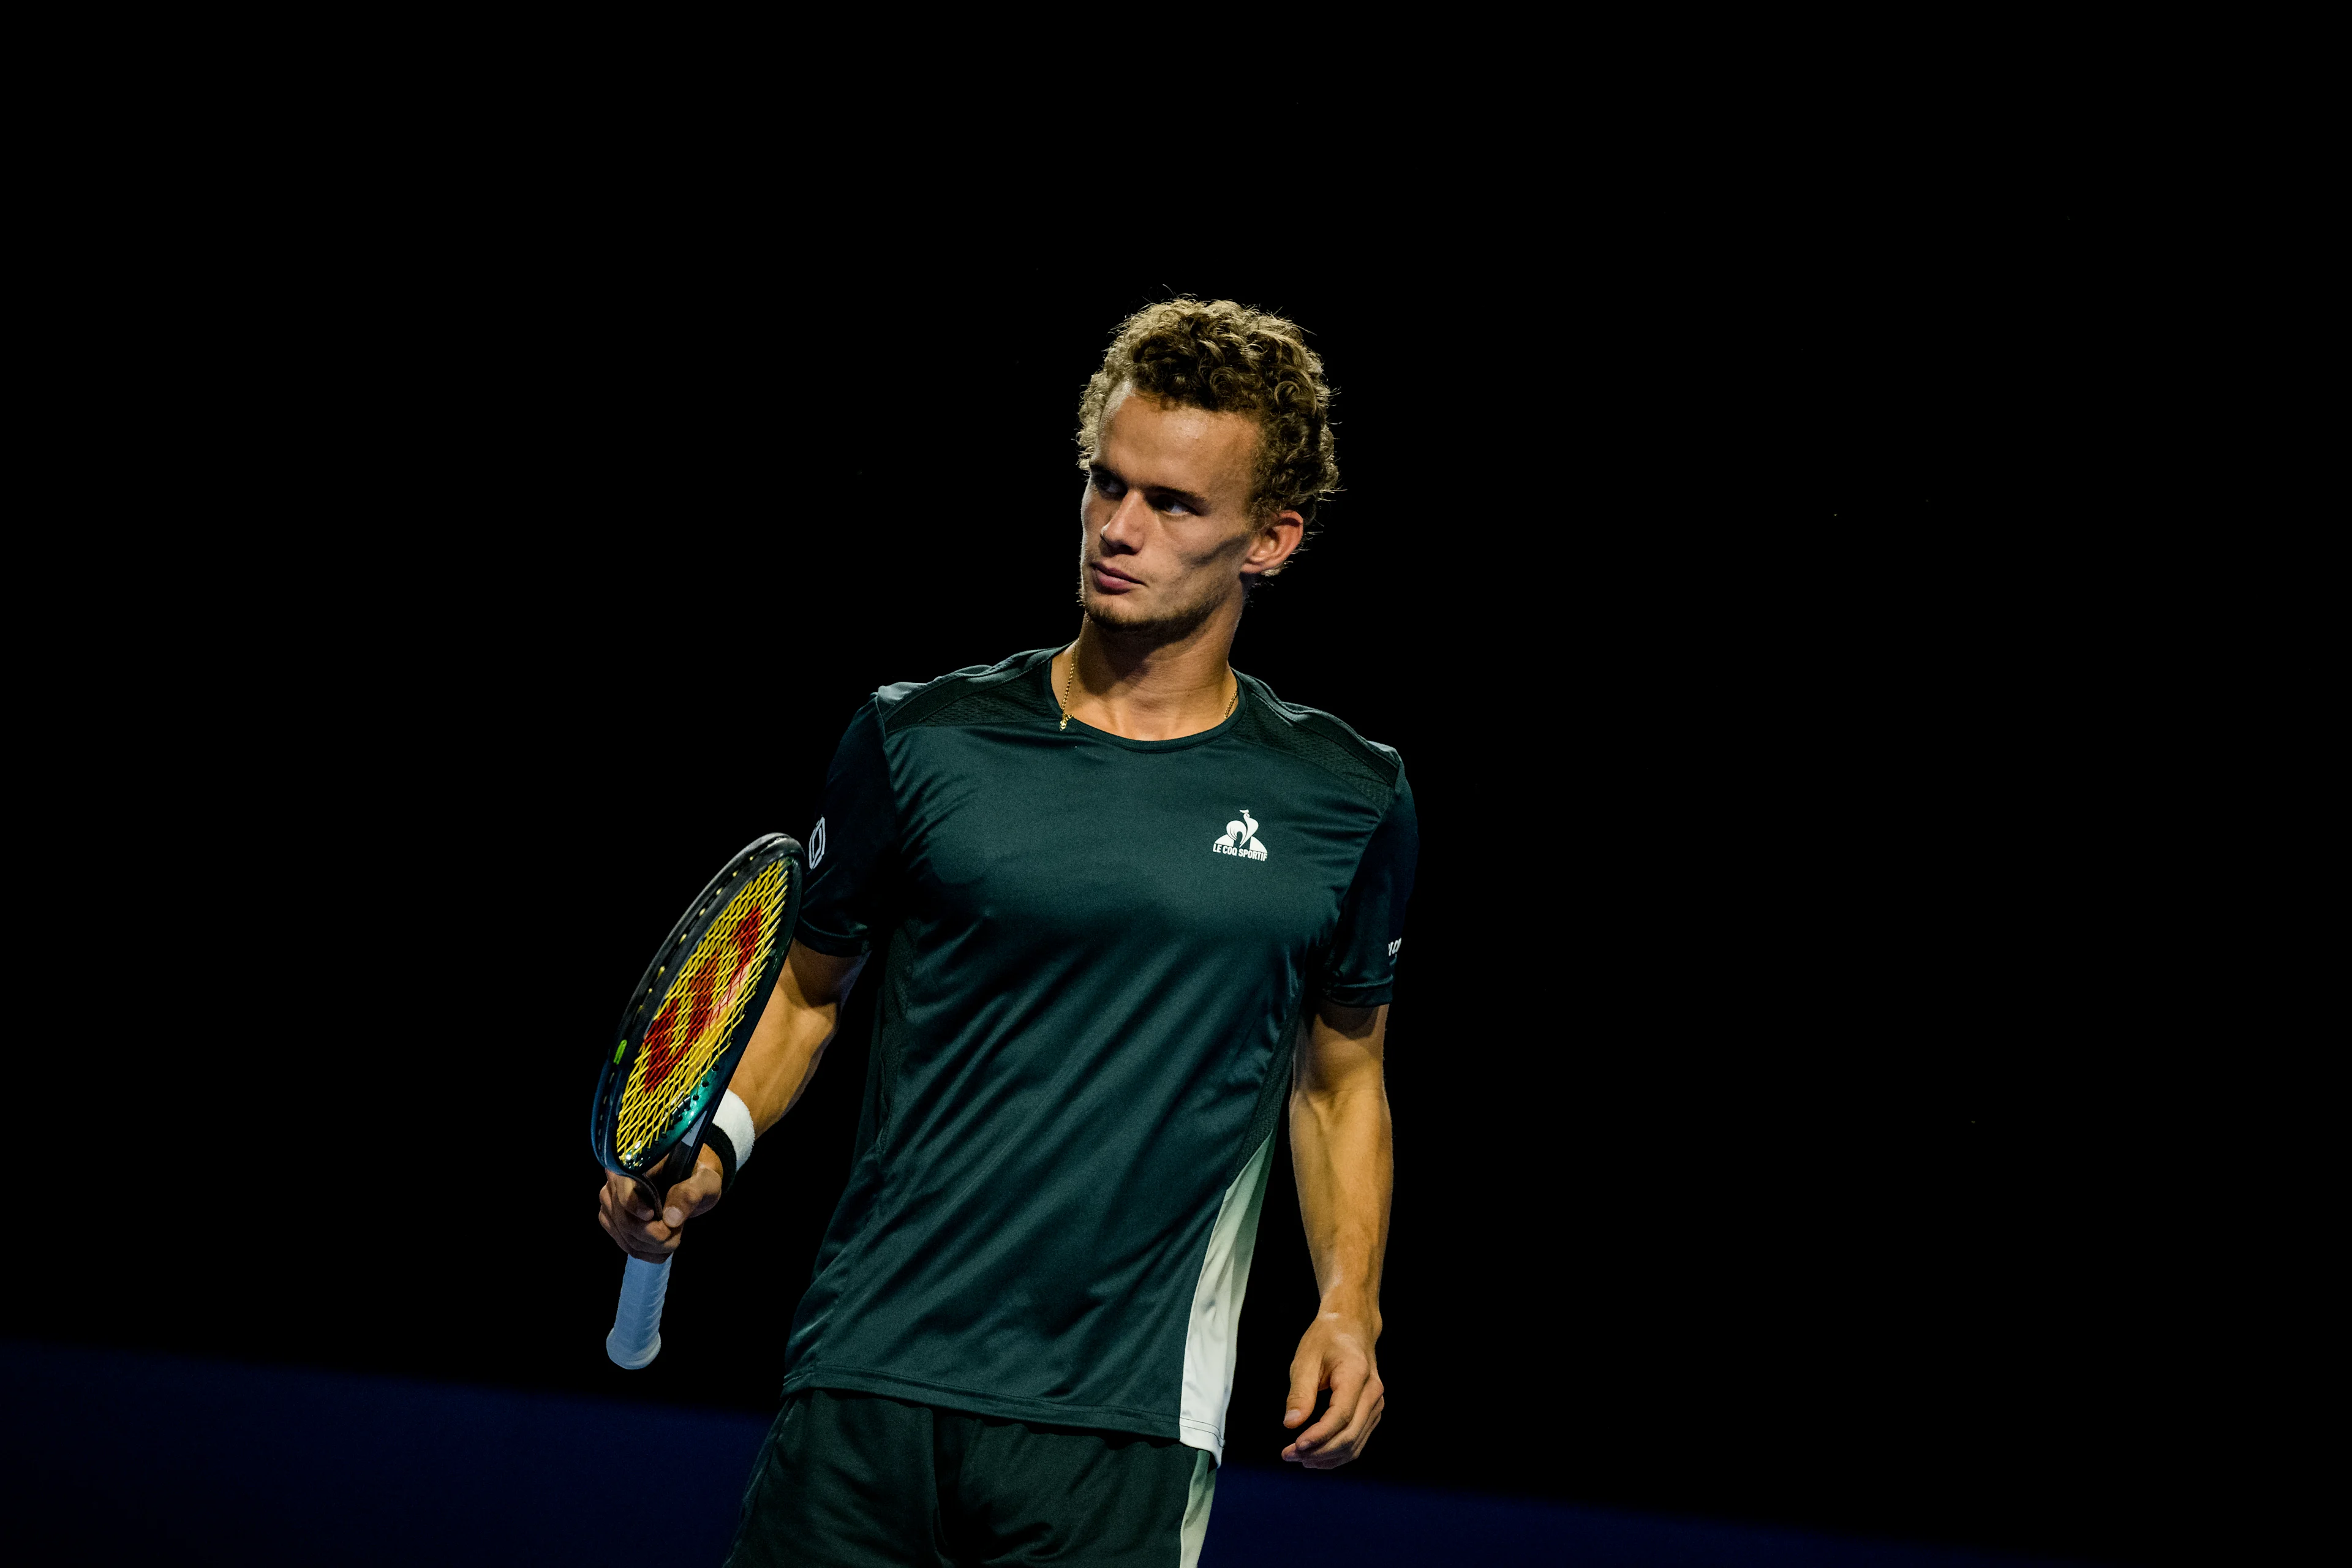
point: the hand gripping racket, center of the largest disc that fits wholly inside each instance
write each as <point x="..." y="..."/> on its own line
<point x="680" y="1036"/>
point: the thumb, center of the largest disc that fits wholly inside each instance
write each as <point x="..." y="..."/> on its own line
<point x="690" y="1197"/>
<point x="1306" y="1381"/>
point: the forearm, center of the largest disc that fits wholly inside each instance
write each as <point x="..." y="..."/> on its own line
<point x="1341" y="1153"/>
<point x="789" y="1042"/>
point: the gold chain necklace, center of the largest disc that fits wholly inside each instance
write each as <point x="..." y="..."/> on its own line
<point x="1070" y="676"/>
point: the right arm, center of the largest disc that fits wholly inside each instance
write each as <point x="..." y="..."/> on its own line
<point x="782" y="1056"/>
<point x="775" y="1070"/>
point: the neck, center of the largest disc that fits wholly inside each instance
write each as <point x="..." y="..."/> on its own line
<point x="1148" y="688"/>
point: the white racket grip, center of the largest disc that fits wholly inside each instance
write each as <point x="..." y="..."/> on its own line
<point x="636" y="1337"/>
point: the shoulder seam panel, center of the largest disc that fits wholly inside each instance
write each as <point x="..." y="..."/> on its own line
<point x="947" y="690"/>
<point x="1383" y="764"/>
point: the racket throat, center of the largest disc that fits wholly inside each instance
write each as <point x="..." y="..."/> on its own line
<point x="653" y="1185"/>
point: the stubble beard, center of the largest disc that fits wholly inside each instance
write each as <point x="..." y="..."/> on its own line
<point x="1115" y="621"/>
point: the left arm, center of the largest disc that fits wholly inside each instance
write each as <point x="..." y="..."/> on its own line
<point x="1340" y="1143"/>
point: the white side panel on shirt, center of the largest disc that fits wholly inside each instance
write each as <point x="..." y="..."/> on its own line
<point x="1213" y="1340"/>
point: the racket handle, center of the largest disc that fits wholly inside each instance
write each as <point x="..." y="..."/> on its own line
<point x="636" y="1337"/>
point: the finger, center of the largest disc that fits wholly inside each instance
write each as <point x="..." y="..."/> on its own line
<point x="1380" y="1414"/>
<point x="651" y="1242"/>
<point x="1348" y="1444"/>
<point x="616" y="1217"/>
<point x="1306" y="1381"/>
<point x="1347" y="1390"/>
<point x="628" y="1236"/>
<point x="628" y="1197"/>
<point x="632" y="1240"/>
<point x="647" y="1239"/>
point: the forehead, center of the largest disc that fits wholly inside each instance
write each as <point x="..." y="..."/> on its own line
<point x="1148" y="443"/>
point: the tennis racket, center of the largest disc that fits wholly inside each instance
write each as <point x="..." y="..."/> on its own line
<point x="682" y="1033"/>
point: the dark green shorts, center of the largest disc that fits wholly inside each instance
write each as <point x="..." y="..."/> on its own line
<point x="859" y="1479"/>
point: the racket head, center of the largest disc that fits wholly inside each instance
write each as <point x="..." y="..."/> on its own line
<point x="692" y="1013"/>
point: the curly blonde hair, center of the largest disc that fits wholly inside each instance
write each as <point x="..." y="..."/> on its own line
<point x="1227" y="358"/>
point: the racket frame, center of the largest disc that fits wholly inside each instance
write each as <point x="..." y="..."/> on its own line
<point x="671" y="1159"/>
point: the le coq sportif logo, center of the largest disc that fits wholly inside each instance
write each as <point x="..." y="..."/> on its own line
<point x="1239" y="838"/>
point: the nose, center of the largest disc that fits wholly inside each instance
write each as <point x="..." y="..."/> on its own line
<point x="1122" y="533"/>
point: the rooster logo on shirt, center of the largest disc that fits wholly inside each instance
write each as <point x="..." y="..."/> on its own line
<point x="1240" y="838"/>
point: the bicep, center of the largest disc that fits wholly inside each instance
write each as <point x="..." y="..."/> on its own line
<point x="1341" y="1048"/>
<point x="813" y="979"/>
<point x="798" y="1020"/>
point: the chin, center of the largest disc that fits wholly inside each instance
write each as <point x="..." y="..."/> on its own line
<point x="1114" y="609"/>
<point x="1136" y="607"/>
<point x="1119" y="612"/>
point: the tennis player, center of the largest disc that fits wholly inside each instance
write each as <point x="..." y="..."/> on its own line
<point x="1127" y="907"/>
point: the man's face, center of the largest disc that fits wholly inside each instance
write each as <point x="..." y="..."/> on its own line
<point x="1167" y="531"/>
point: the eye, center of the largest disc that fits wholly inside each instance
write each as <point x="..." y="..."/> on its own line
<point x="1107" y="484"/>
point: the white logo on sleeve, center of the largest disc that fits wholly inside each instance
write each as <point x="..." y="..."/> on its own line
<point x="1240" y="838"/>
<point x="816" y="843"/>
<point x="1394" y="945"/>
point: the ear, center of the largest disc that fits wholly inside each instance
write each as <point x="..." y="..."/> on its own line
<point x="1277" y="540"/>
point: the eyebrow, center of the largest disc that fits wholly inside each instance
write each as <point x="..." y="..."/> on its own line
<point x="1198" y="503"/>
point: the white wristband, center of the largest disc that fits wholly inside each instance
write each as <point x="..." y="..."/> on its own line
<point x="734" y="1119"/>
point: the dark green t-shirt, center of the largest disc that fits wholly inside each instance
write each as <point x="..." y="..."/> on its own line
<point x="1093" y="956"/>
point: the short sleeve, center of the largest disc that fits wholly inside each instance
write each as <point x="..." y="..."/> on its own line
<point x="852" y="849"/>
<point x="1360" y="970"/>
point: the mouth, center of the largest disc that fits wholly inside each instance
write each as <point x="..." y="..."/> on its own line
<point x="1111" y="579"/>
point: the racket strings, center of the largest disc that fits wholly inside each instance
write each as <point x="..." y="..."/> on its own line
<point x="706" y="1000"/>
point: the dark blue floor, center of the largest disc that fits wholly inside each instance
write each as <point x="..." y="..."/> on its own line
<point x="113" y="1458"/>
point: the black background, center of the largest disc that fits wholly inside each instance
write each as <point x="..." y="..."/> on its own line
<point x="1762" y="1151"/>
